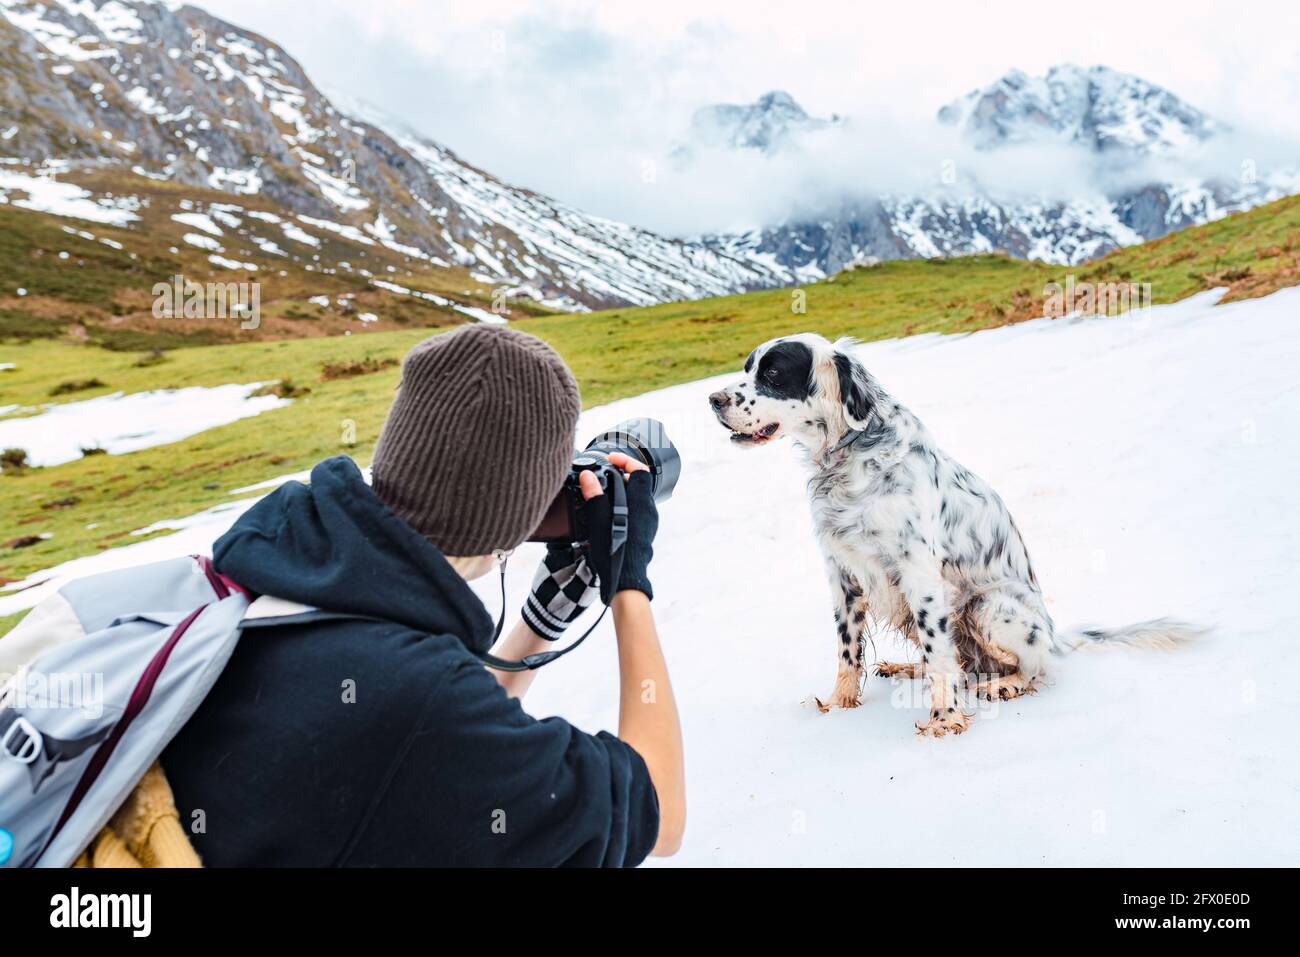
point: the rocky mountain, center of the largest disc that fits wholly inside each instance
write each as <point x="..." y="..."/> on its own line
<point x="772" y="122"/>
<point x="176" y="95"/>
<point x="1096" y="108"/>
<point x="1119" y="125"/>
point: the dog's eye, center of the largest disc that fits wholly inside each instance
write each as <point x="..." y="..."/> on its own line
<point x="772" y="374"/>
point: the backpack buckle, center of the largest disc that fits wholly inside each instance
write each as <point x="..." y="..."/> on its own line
<point x="26" y="749"/>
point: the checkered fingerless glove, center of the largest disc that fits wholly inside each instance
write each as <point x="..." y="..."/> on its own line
<point x="563" y="588"/>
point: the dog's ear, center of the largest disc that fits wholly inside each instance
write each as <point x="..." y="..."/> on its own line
<point x="855" y="390"/>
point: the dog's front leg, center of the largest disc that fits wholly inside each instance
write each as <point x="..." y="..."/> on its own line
<point x="926" y="594"/>
<point x="850" y="607"/>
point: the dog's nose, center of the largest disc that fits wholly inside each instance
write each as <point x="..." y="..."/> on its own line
<point x="720" y="400"/>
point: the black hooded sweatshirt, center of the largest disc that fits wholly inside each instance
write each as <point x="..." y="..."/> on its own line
<point x="340" y="741"/>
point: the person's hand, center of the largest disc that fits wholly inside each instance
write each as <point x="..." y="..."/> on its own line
<point x="566" y="583"/>
<point x="642" y="524"/>
<point x="563" y="588"/>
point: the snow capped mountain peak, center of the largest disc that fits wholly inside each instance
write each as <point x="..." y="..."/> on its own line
<point x="1095" y="107"/>
<point x="768" y="124"/>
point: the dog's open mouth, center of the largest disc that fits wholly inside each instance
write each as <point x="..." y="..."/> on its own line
<point x="756" y="438"/>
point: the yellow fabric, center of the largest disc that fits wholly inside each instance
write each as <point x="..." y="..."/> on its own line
<point x="145" y="832"/>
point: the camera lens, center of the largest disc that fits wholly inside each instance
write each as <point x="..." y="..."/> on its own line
<point x="644" y="439"/>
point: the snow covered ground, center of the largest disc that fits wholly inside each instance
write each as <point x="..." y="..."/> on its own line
<point x="120" y="423"/>
<point x="47" y="195"/>
<point x="1151" y="465"/>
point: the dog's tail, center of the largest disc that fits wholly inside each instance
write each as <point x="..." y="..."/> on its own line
<point x="1159" y="633"/>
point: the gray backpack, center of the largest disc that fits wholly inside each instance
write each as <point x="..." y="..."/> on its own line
<point x="91" y="694"/>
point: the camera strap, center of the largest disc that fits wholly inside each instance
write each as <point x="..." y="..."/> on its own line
<point x="617" y="539"/>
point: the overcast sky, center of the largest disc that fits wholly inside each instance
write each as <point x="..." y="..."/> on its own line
<point x="573" y="98"/>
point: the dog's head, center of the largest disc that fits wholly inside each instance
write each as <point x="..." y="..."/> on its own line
<point x="802" y="386"/>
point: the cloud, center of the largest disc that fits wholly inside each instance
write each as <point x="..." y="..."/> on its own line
<point x="874" y="156"/>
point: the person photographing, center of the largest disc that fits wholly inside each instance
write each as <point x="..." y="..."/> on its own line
<point x="356" y="723"/>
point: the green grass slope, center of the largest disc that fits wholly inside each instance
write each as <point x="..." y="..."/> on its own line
<point x="624" y="351"/>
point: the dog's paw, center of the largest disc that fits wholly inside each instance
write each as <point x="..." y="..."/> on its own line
<point x="891" y="669"/>
<point x="848" y="692"/>
<point x="839" y="700"/>
<point x="835" y="701"/>
<point x="1006" y="687"/>
<point x="949" y="721"/>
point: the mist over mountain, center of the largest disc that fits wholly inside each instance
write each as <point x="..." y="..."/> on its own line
<point x="1062" y="167"/>
<point x="769" y="124"/>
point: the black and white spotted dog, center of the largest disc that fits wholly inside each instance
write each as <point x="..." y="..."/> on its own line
<point x="910" y="538"/>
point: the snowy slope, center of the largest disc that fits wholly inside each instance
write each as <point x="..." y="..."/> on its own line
<point x="1141" y="490"/>
<point x="543" y="246"/>
<point x="1150" y="464"/>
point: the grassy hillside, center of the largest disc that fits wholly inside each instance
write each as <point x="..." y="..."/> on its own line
<point x="87" y="282"/>
<point x="617" y="353"/>
<point x="624" y="351"/>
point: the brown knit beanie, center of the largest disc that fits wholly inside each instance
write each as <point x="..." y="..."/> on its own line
<point x="479" y="439"/>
